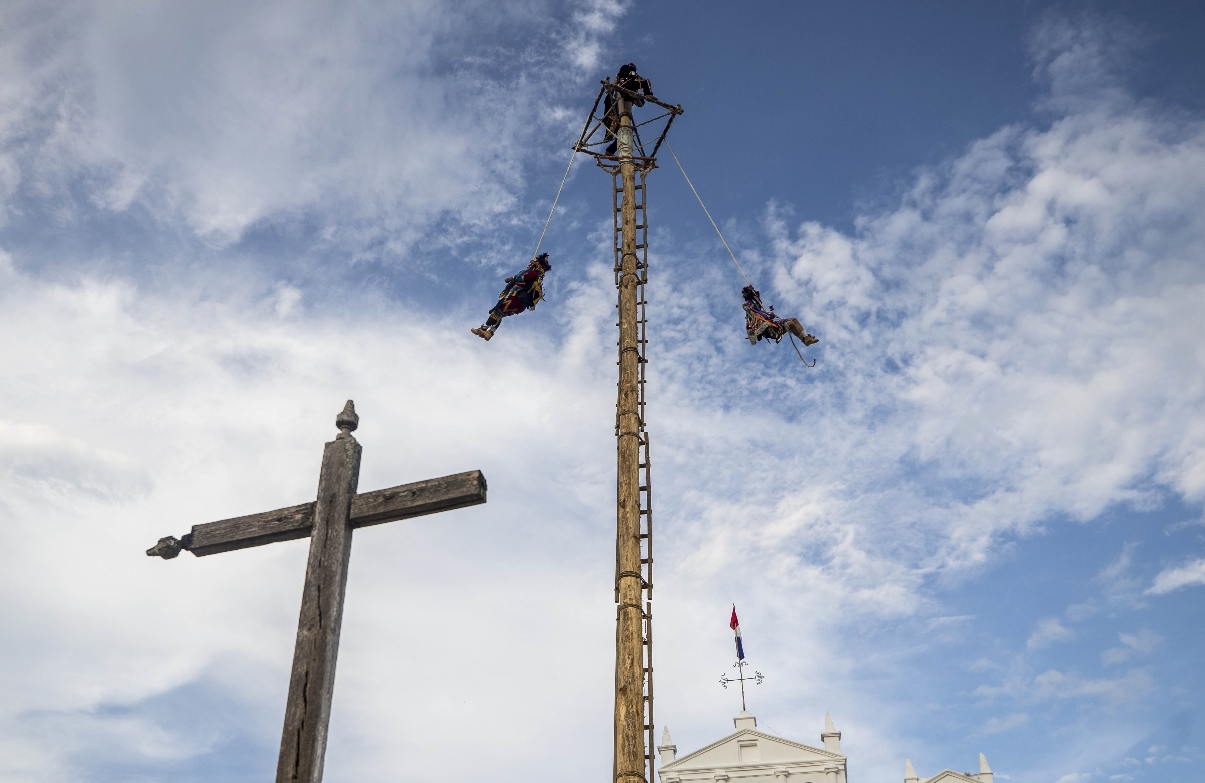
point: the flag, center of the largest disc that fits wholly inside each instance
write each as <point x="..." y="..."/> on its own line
<point x="736" y="628"/>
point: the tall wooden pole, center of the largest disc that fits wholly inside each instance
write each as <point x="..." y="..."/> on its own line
<point x="312" y="683"/>
<point x="629" y="653"/>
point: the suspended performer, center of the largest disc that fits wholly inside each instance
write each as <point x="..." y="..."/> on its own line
<point x="760" y="322"/>
<point x="633" y="82"/>
<point x="522" y="292"/>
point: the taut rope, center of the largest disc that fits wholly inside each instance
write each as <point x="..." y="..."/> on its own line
<point x="554" y="201"/>
<point x="704" y="206"/>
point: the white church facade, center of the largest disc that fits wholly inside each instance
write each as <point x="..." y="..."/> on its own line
<point x="750" y="756"/>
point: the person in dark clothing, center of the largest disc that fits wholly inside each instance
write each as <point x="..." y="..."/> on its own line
<point x="629" y="80"/>
<point x="760" y="322"/>
<point x="522" y="292"/>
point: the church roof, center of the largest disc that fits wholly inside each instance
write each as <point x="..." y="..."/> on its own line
<point x="772" y="750"/>
<point x="950" y="776"/>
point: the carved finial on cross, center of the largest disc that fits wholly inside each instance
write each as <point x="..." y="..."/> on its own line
<point x="348" y="420"/>
<point x="167" y="548"/>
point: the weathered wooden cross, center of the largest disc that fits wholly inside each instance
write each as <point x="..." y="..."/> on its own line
<point x="328" y="522"/>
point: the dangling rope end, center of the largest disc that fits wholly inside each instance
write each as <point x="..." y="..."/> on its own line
<point x="796" y="347"/>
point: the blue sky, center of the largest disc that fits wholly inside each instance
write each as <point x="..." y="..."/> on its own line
<point x="976" y="526"/>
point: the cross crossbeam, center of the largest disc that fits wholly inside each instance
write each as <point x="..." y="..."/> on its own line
<point x="460" y="490"/>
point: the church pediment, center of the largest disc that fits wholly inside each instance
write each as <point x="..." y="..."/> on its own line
<point x="950" y="776"/>
<point x="748" y="746"/>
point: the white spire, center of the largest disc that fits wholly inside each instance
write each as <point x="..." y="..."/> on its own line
<point x="831" y="737"/>
<point x="669" y="751"/>
<point x="909" y="772"/>
<point x="985" y="772"/>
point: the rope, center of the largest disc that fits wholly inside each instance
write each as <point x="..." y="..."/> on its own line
<point x="554" y="201"/>
<point x="704" y="206"/>
<point x="717" y="230"/>
<point x="796" y="347"/>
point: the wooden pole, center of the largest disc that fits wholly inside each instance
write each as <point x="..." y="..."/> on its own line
<point x="312" y="683"/>
<point x="629" y="653"/>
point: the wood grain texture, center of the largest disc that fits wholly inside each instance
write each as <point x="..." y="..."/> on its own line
<point x="312" y="681"/>
<point x="459" y="490"/>
<point x="283" y="524"/>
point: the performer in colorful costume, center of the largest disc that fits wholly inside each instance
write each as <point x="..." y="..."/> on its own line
<point x="760" y="322"/>
<point x="522" y="292"/>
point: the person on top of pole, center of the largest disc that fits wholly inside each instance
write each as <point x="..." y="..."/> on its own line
<point x="522" y="292"/>
<point x="760" y="322"/>
<point x="633" y="82"/>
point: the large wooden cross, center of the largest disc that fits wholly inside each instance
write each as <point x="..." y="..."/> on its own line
<point x="328" y="522"/>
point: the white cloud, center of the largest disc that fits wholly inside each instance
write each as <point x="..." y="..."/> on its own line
<point x="1054" y="684"/>
<point x="596" y="17"/>
<point x="1014" y="332"/>
<point x="1141" y="643"/>
<point x="178" y="414"/>
<point x="224" y="116"/>
<point x="1170" y="579"/>
<point x="1120" y="585"/>
<point x="1047" y="631"/>
<point x="998" y="725"/>
<point x="1075" y="777"/>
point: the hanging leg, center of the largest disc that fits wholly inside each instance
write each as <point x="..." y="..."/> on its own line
<point x="487" y="329"/>
<point x="796" y="328"/>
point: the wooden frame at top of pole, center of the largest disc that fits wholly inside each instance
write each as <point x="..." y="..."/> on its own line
<point x="595" y="123"/>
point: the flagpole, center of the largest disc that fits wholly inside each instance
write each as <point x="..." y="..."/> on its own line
<point x="742" y="670"/>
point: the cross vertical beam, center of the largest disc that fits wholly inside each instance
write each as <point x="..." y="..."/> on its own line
<point x="312" y="682"/>
<point x="630" y="760"/>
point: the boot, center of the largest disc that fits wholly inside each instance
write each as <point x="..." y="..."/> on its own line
<point x="483" y="333"/>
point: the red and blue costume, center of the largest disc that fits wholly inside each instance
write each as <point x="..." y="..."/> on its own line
<point x="523" y="292"/>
